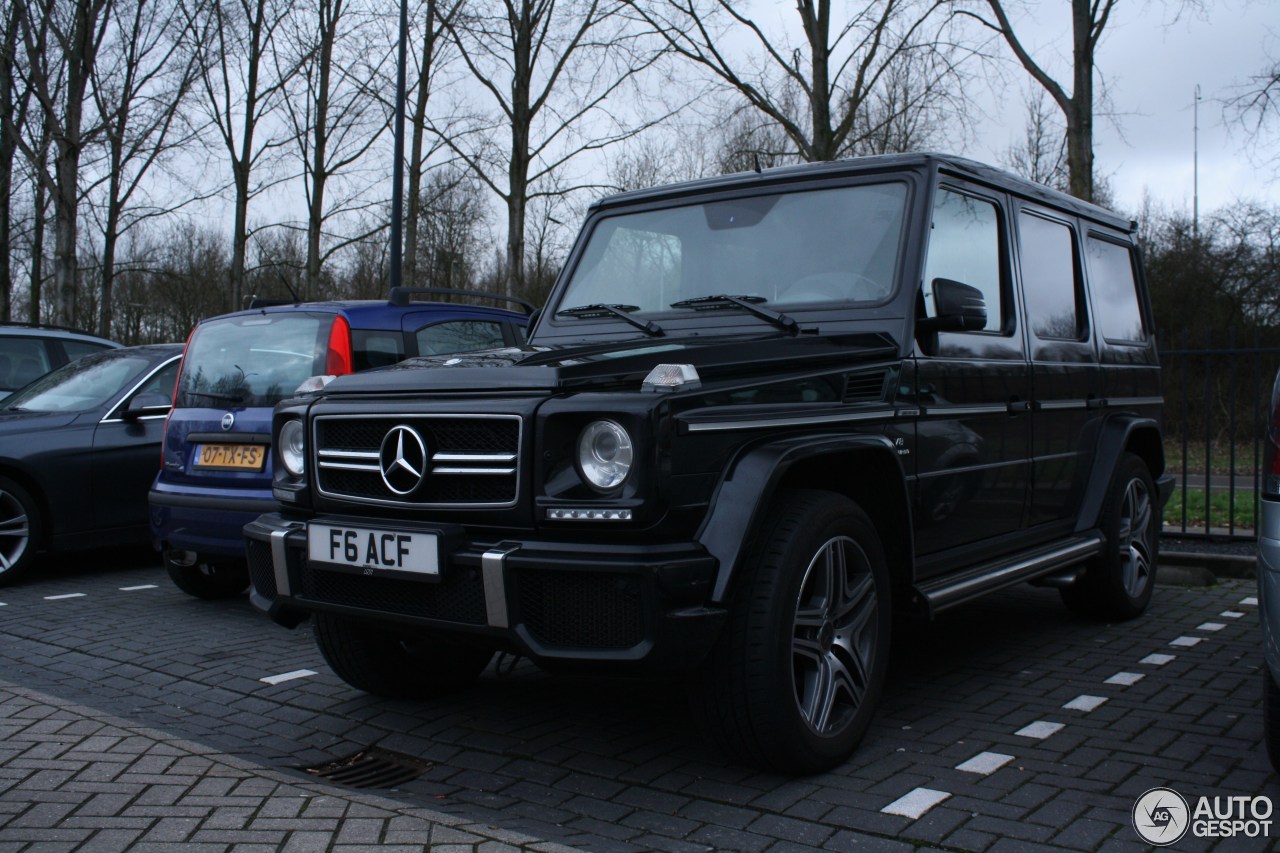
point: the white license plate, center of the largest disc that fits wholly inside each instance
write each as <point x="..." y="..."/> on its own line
<point x="374" y="550"/>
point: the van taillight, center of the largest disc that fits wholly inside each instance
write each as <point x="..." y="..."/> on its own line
<point x="338" y="361"/>
<point x="1271" y="448"/>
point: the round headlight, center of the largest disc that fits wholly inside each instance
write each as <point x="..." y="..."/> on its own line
<point x="604" y="455"/>
<point x="292" y="449"/>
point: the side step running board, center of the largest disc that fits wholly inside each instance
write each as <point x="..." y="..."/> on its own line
<point x="940" y="593"/>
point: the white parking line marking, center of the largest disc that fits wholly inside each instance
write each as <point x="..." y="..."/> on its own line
<point x="3" y="604"/>
<point x="1158" y="660"/>
<point x="67" y="595"/>
<point x="985" y="763"/>
<point x="915" y="803"/>
<point x="287" y="676"/>
<point x="1085" y="703"/>
<point x="1251" y="601"/>
<point x="1231" y="614"/>
<point x="138" y="587"/>
<point x="1040" y="730"/>
<point x="1125" y="679"/>
<point x="1186" y="642"/>
<point x="1210" y="626"/>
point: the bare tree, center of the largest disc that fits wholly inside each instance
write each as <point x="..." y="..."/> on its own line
<point x="74" y="33"/>
<point x="436" y="17"/>
<point x="450" y="228"/>
<point x="13" y="106"/>
<point x="1256" y="105"/>
<point x="240" y="87"/>
<point x="142" y="78"/>
<point x="1041" y="155"/>
<point x="1089" y="19"/>
<point x="551" y="68"/>
<point x="333" y="116"/>
<point x="820" y="91"/>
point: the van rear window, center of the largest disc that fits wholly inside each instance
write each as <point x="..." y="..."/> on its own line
<point x="255" y="360"/>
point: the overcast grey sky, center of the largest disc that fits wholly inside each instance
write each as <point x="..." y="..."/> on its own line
<point x="1151" y="64"/>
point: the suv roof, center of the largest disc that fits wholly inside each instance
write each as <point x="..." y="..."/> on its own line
<point x="15" y="328"/>
<point x="386" y="313"/>
<point x="962" y="166"/>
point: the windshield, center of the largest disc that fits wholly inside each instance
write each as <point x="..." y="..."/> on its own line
<point x="256" y="360"/>
<point x="82" y="385"/>
<point x="788" y="249"/>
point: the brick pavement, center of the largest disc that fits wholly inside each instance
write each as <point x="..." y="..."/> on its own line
<point x="134" y="715"/>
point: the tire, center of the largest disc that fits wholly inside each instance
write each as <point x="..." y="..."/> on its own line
<point x="209" y="579"/>
<point x="1117" y="584"/>
<point x="386" y="663"/>
<point x="20" y="531"/>
<point x="1271" y="716"/>
<point x="793" y="680"/>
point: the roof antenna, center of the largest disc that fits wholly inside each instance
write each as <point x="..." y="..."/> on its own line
<point x="288" y="286"/>
<point x="756" y="155"/>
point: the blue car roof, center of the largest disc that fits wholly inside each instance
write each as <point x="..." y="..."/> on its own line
<point x="382" y="314"/>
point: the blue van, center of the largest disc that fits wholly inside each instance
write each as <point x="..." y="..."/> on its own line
<point x="215" y="472"/>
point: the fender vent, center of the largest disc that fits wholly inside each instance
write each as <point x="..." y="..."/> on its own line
<point x="864" y="387"/>
<point x="371" y="768"/>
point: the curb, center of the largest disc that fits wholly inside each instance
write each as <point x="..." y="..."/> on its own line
<point x="1188" y="568"/>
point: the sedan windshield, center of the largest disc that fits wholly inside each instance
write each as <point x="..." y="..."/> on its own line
<point x="85" y="384"/>
<point x="784" y="250"/>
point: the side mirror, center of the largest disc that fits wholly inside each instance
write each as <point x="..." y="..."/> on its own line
<point x="143" y="405"/>
<point x="961" y="308"/>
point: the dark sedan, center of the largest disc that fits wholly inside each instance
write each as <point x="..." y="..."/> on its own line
<point x="78" y="451"/>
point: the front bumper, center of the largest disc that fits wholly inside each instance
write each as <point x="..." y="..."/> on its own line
<point x="553" y="602"/>
<point x="1269" y="583"/>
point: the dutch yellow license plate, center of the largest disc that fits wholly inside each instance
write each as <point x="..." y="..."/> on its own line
<point x="230" y="457"/>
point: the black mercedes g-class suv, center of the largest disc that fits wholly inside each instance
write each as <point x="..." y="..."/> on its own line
<point x="759" y="414"/>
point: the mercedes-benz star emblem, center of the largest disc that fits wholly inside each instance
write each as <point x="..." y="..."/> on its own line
<point x="402" y="459"/>
<point x="228" y="420"/>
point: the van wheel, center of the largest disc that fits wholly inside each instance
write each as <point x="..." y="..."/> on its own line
<point x="1118" y="583"/>
<point x="208" y="579"/>
<point x="386" y="663"/>
<point x="793" y="681"/>
<point x="19" y="531"/>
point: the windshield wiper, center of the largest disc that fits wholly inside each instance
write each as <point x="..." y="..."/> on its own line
<point x="599" y="309"/>
<point x="746" y="303"/>
<point x="214" y="395"/>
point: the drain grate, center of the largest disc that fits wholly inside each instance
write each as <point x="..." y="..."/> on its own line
<point x="372" y="768"/>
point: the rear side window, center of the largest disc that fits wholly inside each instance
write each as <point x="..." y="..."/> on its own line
<point x="1049" y="278"/>
<point x="22" y="360"/>
<point x="256" y="360"/>
<point x="459" y="336"/>
<point x="1115" y="291"/>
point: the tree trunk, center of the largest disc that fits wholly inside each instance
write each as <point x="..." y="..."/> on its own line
<point x="239" y="234"/>
<point x="823" y="144"/>
<point x="1080" y="117"/>
<point x="39" y="212"/>
<point x="413" y="210"/>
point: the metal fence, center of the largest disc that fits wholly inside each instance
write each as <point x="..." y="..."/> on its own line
<point x="1217" y="394"/>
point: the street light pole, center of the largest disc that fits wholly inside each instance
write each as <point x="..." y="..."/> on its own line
<point x="1195" y="166"/>
<point x="397" y="173"/>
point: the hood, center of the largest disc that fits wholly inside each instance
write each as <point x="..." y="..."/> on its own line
<point x="12" y="423"/>
<point x="615" y="363"/>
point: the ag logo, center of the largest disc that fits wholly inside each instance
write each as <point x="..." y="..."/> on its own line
<point x="1161" y="816"/>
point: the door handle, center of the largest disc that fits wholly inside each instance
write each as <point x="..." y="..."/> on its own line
<point x="1019" y="406"/>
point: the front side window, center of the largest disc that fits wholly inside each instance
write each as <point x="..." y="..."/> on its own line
<point x="1049" y="278"/>
<point x="836" y="245"/>
<point x="1115" y="291"/>
<point x="254" y="360"/>
<point x="964" y="246"/>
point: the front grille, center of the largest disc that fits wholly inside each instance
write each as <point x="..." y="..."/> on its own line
<point x="471" y="460"/>
<point x="261" y="571"/>
<point x="582" y="609"/>
<point x="458" y="597"/>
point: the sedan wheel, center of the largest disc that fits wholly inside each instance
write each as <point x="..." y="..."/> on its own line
<point x="19" y="531"/>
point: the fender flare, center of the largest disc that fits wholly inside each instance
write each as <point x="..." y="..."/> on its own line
<point x="746" y="490"/>
<point x="1116" y="438"/>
